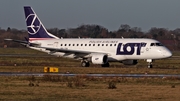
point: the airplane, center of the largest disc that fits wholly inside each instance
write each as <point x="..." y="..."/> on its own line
<point x="91" y="50"/>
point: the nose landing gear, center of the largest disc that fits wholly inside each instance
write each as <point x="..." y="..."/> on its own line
<point x="150" y="63"/>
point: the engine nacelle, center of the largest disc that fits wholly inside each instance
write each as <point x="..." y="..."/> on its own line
<point x="130" y="62"/>
<point x="99" y="58"/>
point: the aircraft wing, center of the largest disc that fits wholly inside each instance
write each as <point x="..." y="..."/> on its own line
<point x="78" y="53"/>
<point x="26" y="43"/>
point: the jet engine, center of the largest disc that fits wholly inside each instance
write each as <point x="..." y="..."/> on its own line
<point x="130" y="62"/>
<point x="99" y="58"/>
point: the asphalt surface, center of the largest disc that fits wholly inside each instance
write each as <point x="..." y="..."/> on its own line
<point x="91" y="75"/>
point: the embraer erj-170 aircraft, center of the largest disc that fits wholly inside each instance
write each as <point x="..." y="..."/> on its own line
<point x="95" y="50"/>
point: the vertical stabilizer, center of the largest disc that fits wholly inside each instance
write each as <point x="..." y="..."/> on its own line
<point x="35" y="28"/>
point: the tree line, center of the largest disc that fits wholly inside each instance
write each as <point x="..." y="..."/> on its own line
<point x="170" y="38"/>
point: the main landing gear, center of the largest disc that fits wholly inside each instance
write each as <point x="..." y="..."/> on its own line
<point x="105" y="65"/>
<point x="150" y="63"/>
<point x="85" y="63"/>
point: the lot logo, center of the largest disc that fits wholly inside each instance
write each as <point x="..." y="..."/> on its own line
<point x="33" y="24"/>
<point x="129" y="48"/>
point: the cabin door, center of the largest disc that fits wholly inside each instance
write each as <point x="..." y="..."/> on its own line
<point x="55" y="44"/>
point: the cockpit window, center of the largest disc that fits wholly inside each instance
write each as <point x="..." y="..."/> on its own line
<point x="156" y="44"/>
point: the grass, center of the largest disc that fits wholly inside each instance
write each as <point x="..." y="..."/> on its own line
<point x="35" y="62"/>
<point x="83" y="88"/>
<point x="138" y="89"/>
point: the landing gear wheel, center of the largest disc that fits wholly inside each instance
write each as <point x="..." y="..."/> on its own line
<point x="85" y="64"/>
<point x="105" y="65"/>
<point x="150" y="65"/>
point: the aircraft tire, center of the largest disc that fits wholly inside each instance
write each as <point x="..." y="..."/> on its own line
<point x="150" y="66"/>
<point x="105" y="65"/>
<point x="85" y="64"/>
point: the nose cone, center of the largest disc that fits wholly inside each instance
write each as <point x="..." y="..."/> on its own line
<point x="168" y="53"/>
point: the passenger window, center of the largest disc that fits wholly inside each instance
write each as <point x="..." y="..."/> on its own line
<point x="98" y="44"/>
<point x="73" y="44"/>
<point x="61" y="44"/>
<point x="93" y="44"/>
<point x="85" y="44"/>
<point x="89" y="44"/>
<point x="102" y="44"/>
<point x="64" y="44"/>
<point x="110" y="44"/>
<point x="69" y="44"/>
<point x="77" y="44"/>
<point x="106" y="44"/>
<point x="81" y="44"/>
<point x="114" y="44"/>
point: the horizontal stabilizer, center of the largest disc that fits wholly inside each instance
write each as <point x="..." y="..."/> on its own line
<point x="25" y="43"/>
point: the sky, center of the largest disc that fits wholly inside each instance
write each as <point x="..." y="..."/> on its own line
<point x="65" y="14"/>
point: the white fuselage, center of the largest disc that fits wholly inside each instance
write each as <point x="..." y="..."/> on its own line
<point x="116" y="49"/>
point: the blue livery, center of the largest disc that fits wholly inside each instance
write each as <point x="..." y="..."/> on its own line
<point x="34" y="26"/>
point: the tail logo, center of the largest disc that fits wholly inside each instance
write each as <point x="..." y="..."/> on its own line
<point x="33" y="24"/>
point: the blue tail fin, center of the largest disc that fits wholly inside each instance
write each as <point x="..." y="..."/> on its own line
<point x="35" y="28"/>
